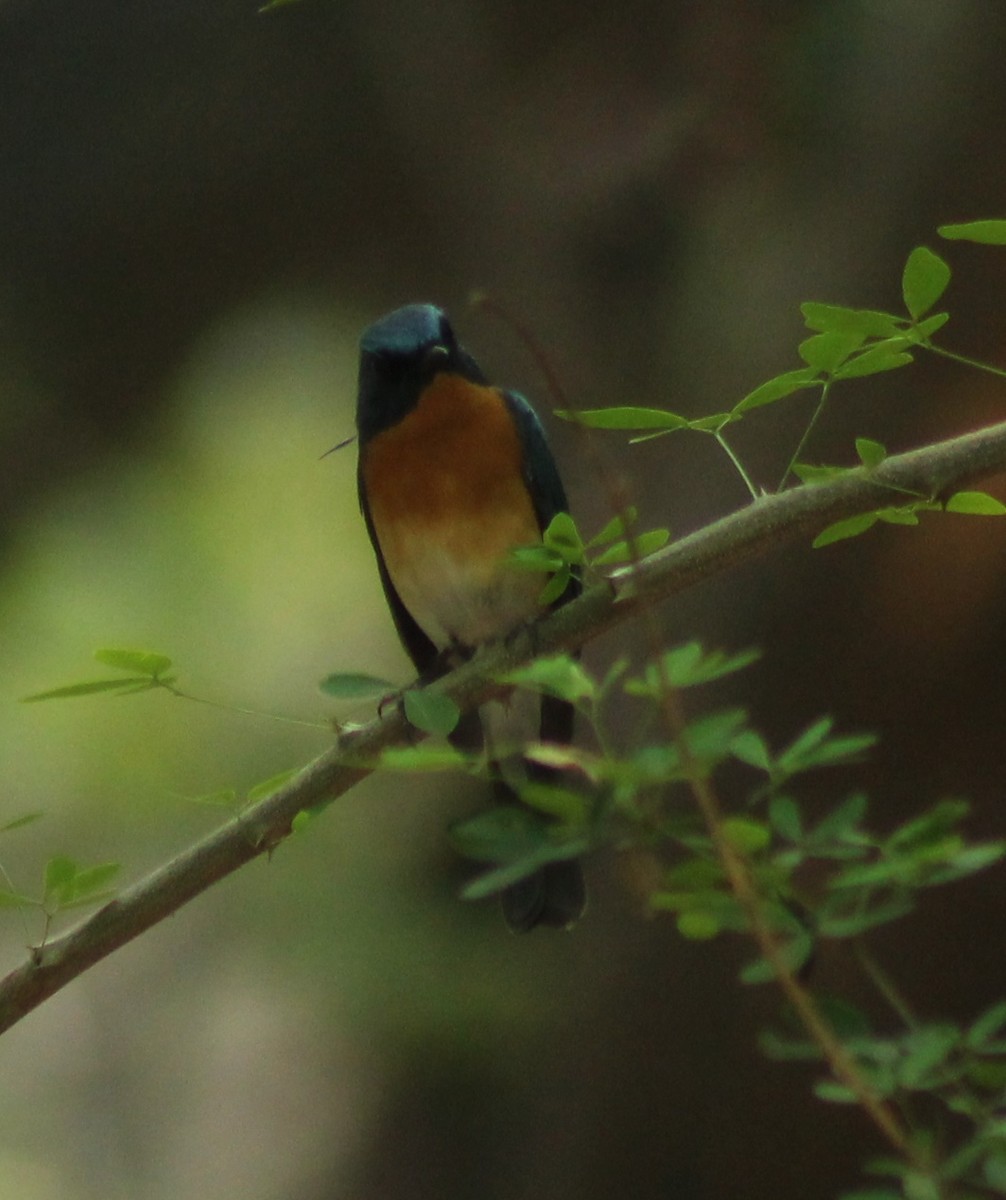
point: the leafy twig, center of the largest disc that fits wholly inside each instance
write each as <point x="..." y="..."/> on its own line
<point x="713" y="550"/>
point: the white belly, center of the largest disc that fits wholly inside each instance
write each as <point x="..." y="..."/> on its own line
<point x="457" y="602"/>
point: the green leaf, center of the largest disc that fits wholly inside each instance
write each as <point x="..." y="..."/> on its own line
<point x="642" y="545"/>
<point x="827" y="317"/>
<point x="709" y="738"/>
<point x="423" y="758"/>
<point x="926" y="1049"/>
<point x="777" y="388"/>
<point x="842" y="819"/>
<point x="924" y="330"/>
<point x="837" y="1093"/>
<point x="65" y="885"/>
<point x="270" y="785"/>
<point x="712" y="905"/>
<point x="885" y="356"/>
<point x="14" y="900"/>
<point x="845" y="1018"/>
<point x="88" y="882"/>
<point x="538" y="557"/>
<point x="746" y="834"/>
<point x="502" y="834"/>
<point x="985" y="1074"/>
<point x="301" y="821"/>
<point x="511" y="872"/>
<point x="815" y="747"/>
<point x="858" y="921"/>
<point x="565" y="804"/>
<point x="871" y="453"/>
<point x="751" y="748"/>
<point x="784" y="1048"/>
<point x="968" y="860"/>
<point x="652" y="764"/>
<point x="18" y="822"/>
<point x="617" y="527"/>
<point x="689" y="664"/>
<point x="811" y="474"/>
<point x="886" y="871"/>
<point x="943" y="818"/>
<point x="143" y="662"/>
<point x="918" y="1186"/>
<point x="849" y="527"/>
<point x="924" y="281"/>
<point x="994" y="1170"/>
<point x="559" y="675"/>
<point x="694" y="874"/>
<point x="825" y="352"/>
<point x="555" y="587"/>
<point x="89" y="688"/>
<point x="698" y="926"/>
<point x="849" y="748"/>
<point x="430" y="711"/>
<point x="977" y="503"/>
<point x="793" y="757"/>
<point x="894" y="1167"/>
<point x="898" y="516"/>
<point x="57" y="877"/>
<point x="987" y="1025"/>
<point x="795" y="954"/>
<point x="987" y="233"/>
<point x="784" y="813"/>
<point x="713" y="423"/>
<point x="354" y="686"/>
<point x="492" y="882"/>
<point x="624" y="418"/>
<point x="563" y="536"/>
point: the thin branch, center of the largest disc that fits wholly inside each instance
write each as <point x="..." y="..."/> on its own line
<point x="842" y="1064"/>
<point x="771" y="521"/>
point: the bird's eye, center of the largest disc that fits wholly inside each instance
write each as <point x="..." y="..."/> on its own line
<point x="436" y="357"/>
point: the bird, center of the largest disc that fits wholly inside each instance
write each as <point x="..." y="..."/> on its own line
<point x="452" y="474"/>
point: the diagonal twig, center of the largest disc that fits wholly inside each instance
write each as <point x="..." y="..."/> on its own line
<point x="932" y="471"/>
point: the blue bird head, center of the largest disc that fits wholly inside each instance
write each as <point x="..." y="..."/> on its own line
<point x="399" y="355"/>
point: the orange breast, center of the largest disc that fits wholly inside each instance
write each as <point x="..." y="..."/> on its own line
<point x="447" y="500"/>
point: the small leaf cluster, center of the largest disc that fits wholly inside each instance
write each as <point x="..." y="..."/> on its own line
<point x="577" y="798"/>
<point x="65" y="885"/>
<point x="819" y="875"/>
<point x="871" y="454"/>
<point x="427" y="709"/>
<point x="146" y="670"/>
<point x="862" y="879"/>
<point x="844" y="344"/>
<point x="558" y="816"/>
<point x="564" y="555"/>
<point x="960" y="1067"/>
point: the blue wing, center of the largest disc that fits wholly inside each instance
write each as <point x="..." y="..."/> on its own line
<point x="540" y="473"/>
<point x="541" y="477"/>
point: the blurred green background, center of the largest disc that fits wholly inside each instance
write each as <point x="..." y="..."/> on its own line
<point x="200" y="209"/>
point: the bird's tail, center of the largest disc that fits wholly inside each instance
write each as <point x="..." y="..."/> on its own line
<point x="555" y="894"/>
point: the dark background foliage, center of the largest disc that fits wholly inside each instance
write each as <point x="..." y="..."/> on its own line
<point x="201" y="207"/>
